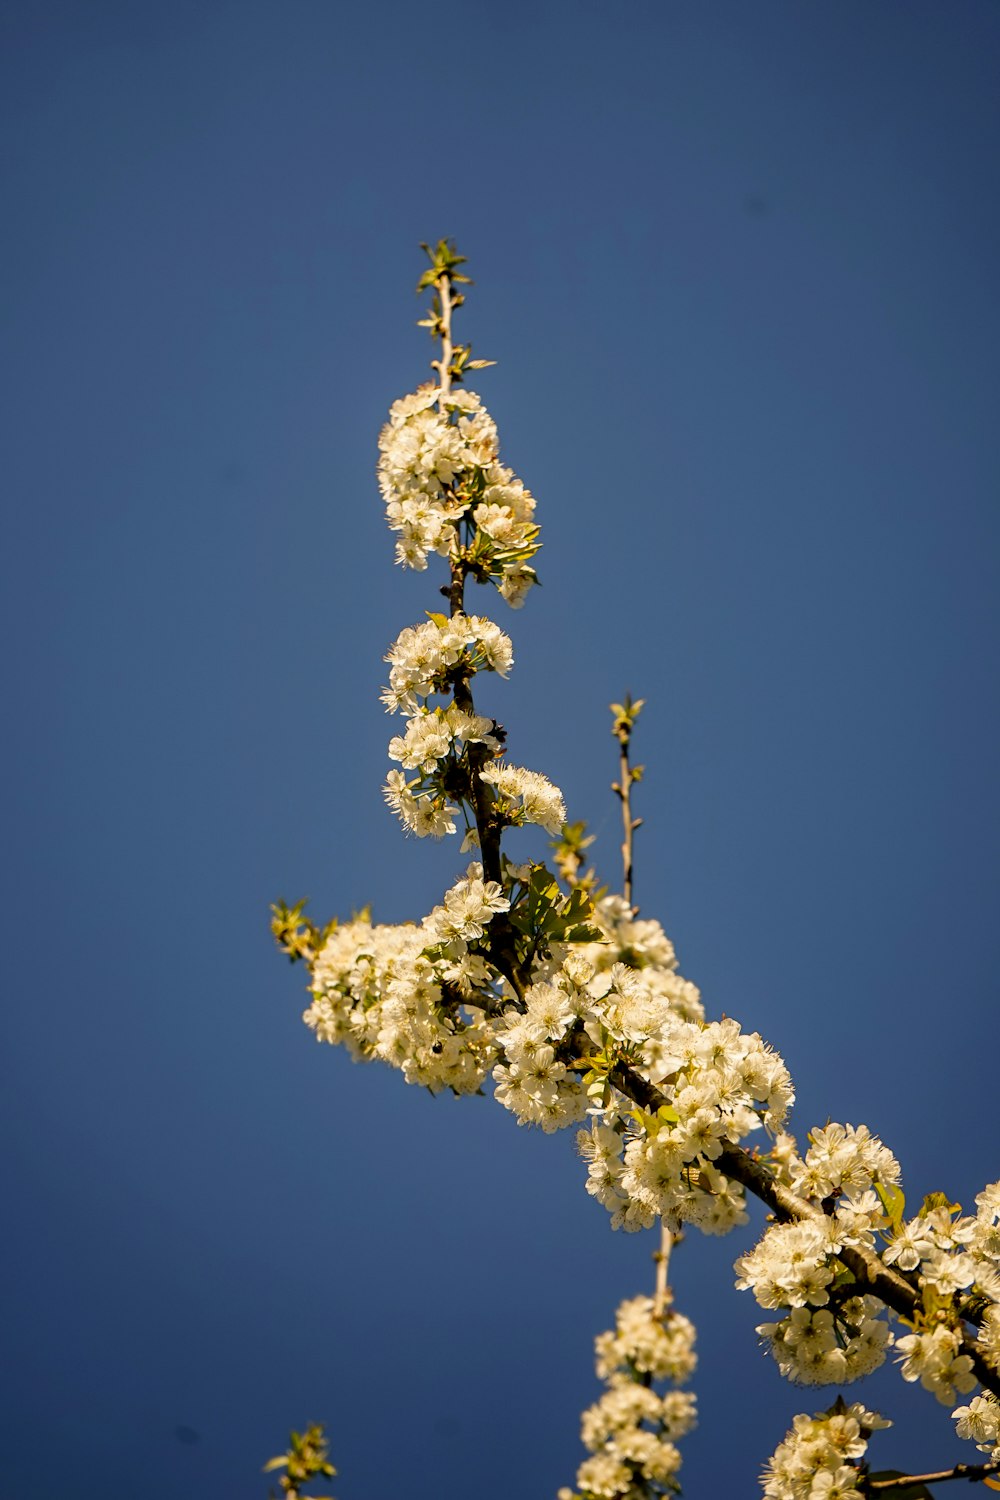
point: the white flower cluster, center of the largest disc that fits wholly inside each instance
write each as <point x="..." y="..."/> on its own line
<point x="989" y="1337"/>
<point x="434" y="733"/>
<point x="425" y="659"/>
<point x="815" y="1460"/>
<point x="825" y="1338"/>
<point x="532" y="1081"/>
<point x="660" y="1346"/>
<point x="952" y="1254"/>
<point x="380" y="990"/>
<point x="842" y="1160"/>
<point x="429" y="659"/>
<point x="588" y="997"/>
<point x="631" y="1431"/>
<point x="440" y="478"/>
<point x="933" y="1356"/>
<point x="722" y="1085"/>
<point x="826" y="1346"/>
<point x="525" y="796"/>
<point x="467" y="910"/>
<point x="980" y="1421"/>
<point x="642" y="946"/>
<point x="955" y="1256"/>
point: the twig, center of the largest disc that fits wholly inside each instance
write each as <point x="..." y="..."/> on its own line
<point x="626" y="714"/>
<point x="975" y="1473"/>
<point x="662" y="1259"/>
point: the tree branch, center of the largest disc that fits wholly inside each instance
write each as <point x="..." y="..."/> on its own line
<point x="501" y="935"/>
<point x="865" y="1265"/>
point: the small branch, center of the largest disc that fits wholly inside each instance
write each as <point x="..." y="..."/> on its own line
<point x="443" y="365"/>
<point x="662" y="1259"/>
<point x="626" y="714"/>
<point x="625" y="775"/>
<point x="975" y="1473"/>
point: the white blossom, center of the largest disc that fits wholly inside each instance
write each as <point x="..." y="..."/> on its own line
<point x="814" y="1461"/>
<point x="530" y="796"/>
<point x="933" y="1357"/>
<point x="980" y="1421"/>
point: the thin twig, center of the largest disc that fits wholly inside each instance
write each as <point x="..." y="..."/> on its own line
<point x="976" y="1473"/>
<point x="662" y="1259"/>
<point x="622" y="731"/>
<point x="626" y="714"/>
<point x="625" y="782"/>
<point x="443" y="365"/>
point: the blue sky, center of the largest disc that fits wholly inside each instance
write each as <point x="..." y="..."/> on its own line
<point x="737" y="264"/>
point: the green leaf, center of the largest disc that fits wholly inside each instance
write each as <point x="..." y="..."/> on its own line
<point x="584" y="934"/>
<point x="893" y="1201"/>
<point x="939" y="1200"/>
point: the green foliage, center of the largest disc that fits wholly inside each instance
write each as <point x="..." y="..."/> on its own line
<point x="648" y="1123"/>
<point x="462" y="360"/>
<point x="295" y="934"/>
<point x="304" y="1460"/>
<point x="545" y="915"/>
<point x="444" y="260"/>
<point x="625" y="715"/>
<point x="935" y="1201"/>
<point x="568" y="849"/>
<point x="893" y="1201"/>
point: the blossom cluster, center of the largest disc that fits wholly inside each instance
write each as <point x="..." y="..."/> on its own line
<point x="980" y="1421"/>
<point x="525" y="796"/>
<point x="405" y="994"/>
<point x="631" y="1432"/>
<point x="426" y="659"/>
<point x="429" y="660"/>
<point x="722" y="1084"/>
<point x="830" y="1334"/>
<point x="818" y="1459"/>
<point x="443" y="486"/>
<point x="826" y="1337"/>
<point x="950" y="1252"/>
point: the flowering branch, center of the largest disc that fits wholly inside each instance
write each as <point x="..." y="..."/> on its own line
<point x="865" y="1265"/>
<point x="577" y="1009"/>
<point x="632" y="1430"/>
